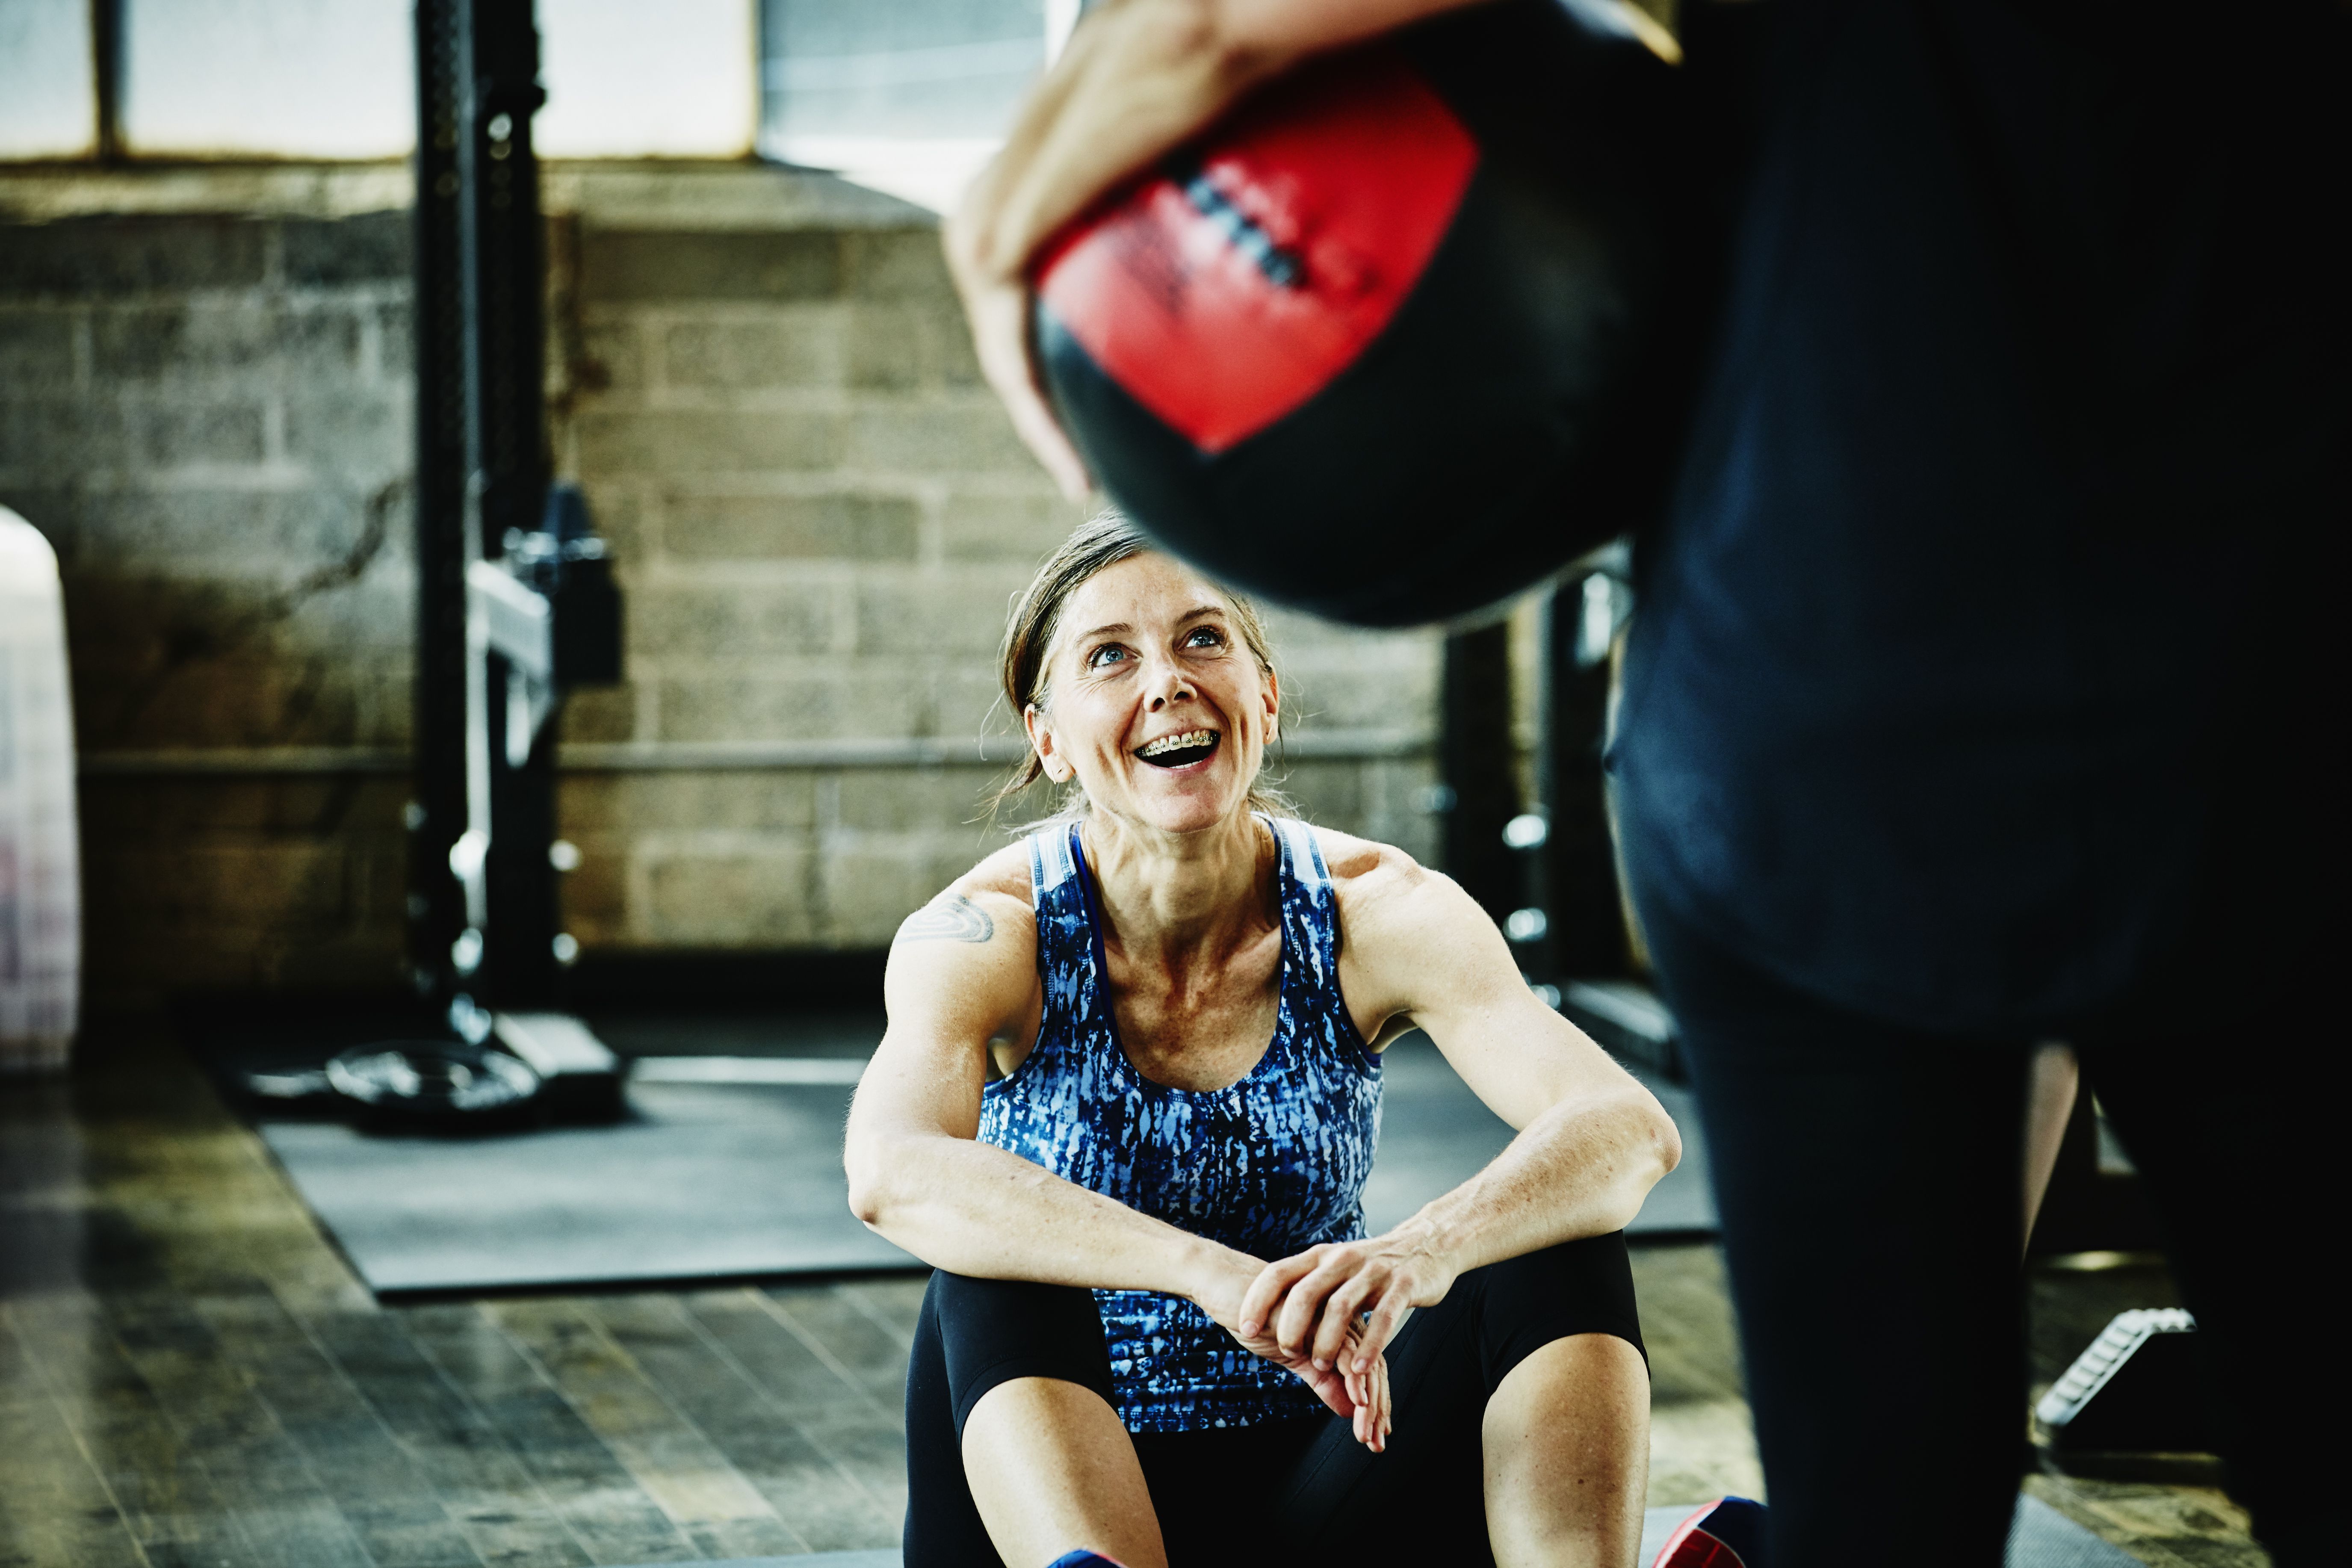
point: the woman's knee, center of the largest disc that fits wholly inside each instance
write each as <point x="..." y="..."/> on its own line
<point x="1569" y="1289"/>
<point x="994" y="1331"/>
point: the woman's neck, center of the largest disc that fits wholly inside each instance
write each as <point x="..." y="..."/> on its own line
<point x="1174" y="900"/>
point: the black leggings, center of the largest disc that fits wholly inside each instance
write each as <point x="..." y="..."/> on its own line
<point x="1868" y="1179"/>
<point x="1221" y="1495"/>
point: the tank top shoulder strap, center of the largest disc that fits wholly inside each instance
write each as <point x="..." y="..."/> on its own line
<point x="1065" y="940"/>
<point x="1310" y="914"/>
<point x="1053" y="862"/>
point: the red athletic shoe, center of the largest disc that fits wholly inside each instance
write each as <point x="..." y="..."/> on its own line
<point x="1726" y="1533"/>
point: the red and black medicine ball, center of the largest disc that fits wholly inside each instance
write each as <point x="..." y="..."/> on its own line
<point x="1396" y="338"/>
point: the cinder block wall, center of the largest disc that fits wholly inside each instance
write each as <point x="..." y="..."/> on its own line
<point x="819" y="513"/>
<point x="208" y="413"/>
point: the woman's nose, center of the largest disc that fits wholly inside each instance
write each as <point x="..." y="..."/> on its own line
<point x="1169" y="684"/>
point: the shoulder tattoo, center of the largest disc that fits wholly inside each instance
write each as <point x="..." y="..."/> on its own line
<point x="951" y="917"/>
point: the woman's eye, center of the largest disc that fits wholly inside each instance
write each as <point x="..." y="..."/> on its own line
<point x="1205" y="637"/>
<point x="1103" y="656"/>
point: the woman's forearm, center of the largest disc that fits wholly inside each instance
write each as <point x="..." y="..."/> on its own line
<point x="1582" y="1168"/>
<point x="975" y="1209"/>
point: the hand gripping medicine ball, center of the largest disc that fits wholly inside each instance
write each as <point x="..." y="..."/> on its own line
<point x="1393" y="341"/>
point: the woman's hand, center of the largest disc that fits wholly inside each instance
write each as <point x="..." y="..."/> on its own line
<point x="1339" y="1304"/>
<point x="1359" y="1390"/>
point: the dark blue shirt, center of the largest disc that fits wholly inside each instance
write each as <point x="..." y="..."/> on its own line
<point x="1979" y="658"/>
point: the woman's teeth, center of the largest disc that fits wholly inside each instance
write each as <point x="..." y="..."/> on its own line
<point x="1176" y="751"/>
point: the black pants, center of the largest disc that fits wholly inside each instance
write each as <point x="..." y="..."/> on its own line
<point x="1869" y="1182"/>
<point x="1222" y="1495"/>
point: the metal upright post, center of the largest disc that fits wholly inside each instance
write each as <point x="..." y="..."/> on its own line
<point x="483" y="909"/>
<point x="436" y="814"/>
<point x="506" y="292"/>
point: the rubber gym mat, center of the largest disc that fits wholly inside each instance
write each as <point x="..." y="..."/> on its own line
<point x="716" y="1180"/>
<point x="702" y="1182"/>
<point x="2042" y="1537"/>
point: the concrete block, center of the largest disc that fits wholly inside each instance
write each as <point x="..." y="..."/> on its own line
<point x="944" y="800"/>
<point x="959" y="360"/>
<point x="960" y="612"/>
<point x="808" y="703"/>
<point x="222" y="342"/>
<point x="735" y="623"/>
<point x="612" y="349"/>
<point x="620" y="264"/>
<point x="601" y="713"/>
<point x="869" y="889"/>
<point x="740" y="899"/>
<point x="207" y="433"/>
<point x="707" y="441"/>
<point x="364" y="629"/>
<point x="62" y="438"/>
<point x="369" y="248"/>
<point x="907" y="346"/>
<point x="202" y="672"/>
<point x="396" y="326"/>
<point x="131" y="810"/>
<point x="844" y="525"/>
<point x="1041" y="800"/>
<point x="895" y="346"/>
<point x="970" y="703"/>
<point x="1022" y="528"/>
<point x="896" y="264"/>
<point x="36" y="349"/>
<point x="256" y="882"/>
<point x="802" y="349"/>
<point x="618" y="806"/>
<point x="1330" y="793"/>
<point x="1377" y="694"/>
<point x="102" y="256"/>
<point x="223" y="533"/>
<point x="355" y="436"/>
<point x="967" y="435"/>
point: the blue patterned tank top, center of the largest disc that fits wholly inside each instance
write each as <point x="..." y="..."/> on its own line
<point x="1272" y="1165"/>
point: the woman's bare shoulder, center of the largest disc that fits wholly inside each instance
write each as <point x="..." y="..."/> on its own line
<point x="1366" y="868"/>
<point x="1385" y="896"/>
<point x="1004" y="874"/>
<point x="972" y="945"/>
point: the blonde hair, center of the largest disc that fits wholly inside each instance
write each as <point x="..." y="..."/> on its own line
<point x="1103" y="542"/>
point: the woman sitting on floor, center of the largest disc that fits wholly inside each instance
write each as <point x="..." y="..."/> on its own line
<point x="1125" y="1107"/>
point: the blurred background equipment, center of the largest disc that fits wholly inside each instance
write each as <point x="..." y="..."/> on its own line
<point x="40" y="873"/>
<point x="1408" y="331"/>
<point x="515" y="601"/>
<point x="2135" y="1389"/>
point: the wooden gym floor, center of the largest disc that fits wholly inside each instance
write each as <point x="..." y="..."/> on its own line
<point x="189" y="1377"/>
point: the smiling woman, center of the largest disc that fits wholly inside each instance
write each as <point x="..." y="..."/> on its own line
<point x="1126" y="1105"/>
<point x="1104" y="542"/>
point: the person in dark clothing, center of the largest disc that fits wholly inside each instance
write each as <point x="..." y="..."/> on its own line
<point x="1973" y="698"/>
